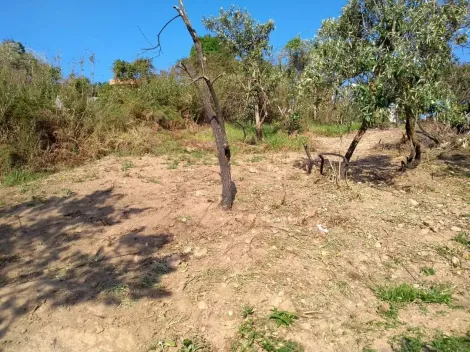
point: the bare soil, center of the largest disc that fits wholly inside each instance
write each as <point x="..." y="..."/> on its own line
<point x="124" y="252"/>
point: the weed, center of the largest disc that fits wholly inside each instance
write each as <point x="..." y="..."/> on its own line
<point x="405" y="293"/>
<point x="427" y="271"/>
<point x="68" y="192"/>
<point x="2" y="203"/>
<point x="256" y="335"/>
<point x="126" y="303"/>
<point x="19" y="177"/>
<point x="368" y="349"/>
<point x="463" y="239"/>
<point x="441" y="343"/>
<point x="173" y="164"/>
<point x="155" y="180"/>
<point x="247" y="311"/>
<point x="282" y="318"/>
<point x="126" y="165"/>
<point x="161" y="346"/>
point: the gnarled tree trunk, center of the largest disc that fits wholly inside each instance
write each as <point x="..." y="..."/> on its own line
<point x="207" y="95"/>
<point x="356" y="140"/>
<point x="415" y="156"/>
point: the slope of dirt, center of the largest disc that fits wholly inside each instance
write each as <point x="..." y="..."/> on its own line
<point x="121" y="253"/>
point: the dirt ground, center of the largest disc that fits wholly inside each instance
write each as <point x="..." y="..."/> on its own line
<point x="124" y="252"/>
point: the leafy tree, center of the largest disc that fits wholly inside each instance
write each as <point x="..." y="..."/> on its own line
<point x="387" y="52"/>
<point x="248" y="40"/>
<point x="137" y="70"/>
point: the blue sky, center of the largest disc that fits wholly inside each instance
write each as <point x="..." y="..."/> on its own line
<point x="74" y="29"/>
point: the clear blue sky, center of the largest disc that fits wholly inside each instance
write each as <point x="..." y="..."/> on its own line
<point x="75" y="29"/>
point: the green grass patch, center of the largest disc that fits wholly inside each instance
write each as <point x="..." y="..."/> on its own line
<point x="405" y="293"/>
<point x="19" y="177"/>
<point x="441" y="343"/>
<point x="463" y="239"/>
<point x="427" y="271"/>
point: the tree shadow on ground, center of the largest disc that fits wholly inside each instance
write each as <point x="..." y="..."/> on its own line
<point x="458" y="163"/>
<point x="375" y="169"/>
<point x="56" y="250"/>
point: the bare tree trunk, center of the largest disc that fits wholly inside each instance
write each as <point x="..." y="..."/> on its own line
<point x="207" y="92"/>
<point x="415" y="156"/>
<point x="258" y="123"/>
<point x="356" y="140"/>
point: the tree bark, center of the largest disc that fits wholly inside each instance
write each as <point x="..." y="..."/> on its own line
<point x="207" y="92"/>
<point x="415" y="156"/>
<point x="356" y="140"/>
<point x="258" y="123"/>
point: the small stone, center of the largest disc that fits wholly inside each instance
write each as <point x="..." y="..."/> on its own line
<point x="200" y="252"/>
<point x="202" y="305"/>
<point x="440" y="205"/>
<point x="383" y="307"/>
<point x="306" y="326"/>
<point x="413" y="202"/>
<point x="455" y="262"/>
<point x="230" y="313"/>
<point x="187" y="250"/>
<point x="401" y="226"/>
<point x="281" y="293"/>
<point x="199" y="193"/>
<point x="24" y="331"/>
<point x="173" y="261"/>
<point x="378" y="245"/>
<point x="248" y="240"/>
<point x="456" y="229"/>
<point x="252" y="170"/>
<point x="424" y="232"/>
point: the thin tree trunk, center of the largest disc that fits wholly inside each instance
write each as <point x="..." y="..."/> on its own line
<point x="258" y="123"/>
<point x="356" y="140"/>
<point x="206" y="92"/>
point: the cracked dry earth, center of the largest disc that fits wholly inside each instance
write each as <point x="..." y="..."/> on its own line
<point x="123" y="252"/>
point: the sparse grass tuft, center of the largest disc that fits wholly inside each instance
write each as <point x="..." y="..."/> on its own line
<point x="427" y="271"/>
<point x="247" y="311"/>
<point x="463" y="239"/>
<point x="282" y="318"/>
<point x="405" y="293"/>
<point x="258" y="335"/>
<point x="126" y="165"/>
<point x="19" y="177"/>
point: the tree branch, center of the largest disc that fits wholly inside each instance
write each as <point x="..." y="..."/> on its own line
<point x="159" y="46"/>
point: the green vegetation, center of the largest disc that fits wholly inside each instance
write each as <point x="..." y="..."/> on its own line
<point x="258" y="335"/>
<point x="440" y="343"/>
<point x="463" y="239"/>
<point x="405" y="293"/>
<point x="428" y="271"/>
<point x="19" y="177"/>
<point x="282" y="318"/>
